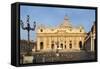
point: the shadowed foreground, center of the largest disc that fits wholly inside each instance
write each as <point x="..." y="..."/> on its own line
<point x="59" y="57"/>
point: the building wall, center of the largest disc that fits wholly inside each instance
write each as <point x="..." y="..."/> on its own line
<point x="90" y="39"/>
<point x="65" y="40"/>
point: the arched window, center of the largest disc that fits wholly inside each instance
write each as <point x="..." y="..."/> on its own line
<point x="41" y="30"/>
<point x="52" y="46"/>
<point x="80" y="30"/>
<point x="65" y="46"/>
<point x="57" y="46"/>
<point x="61" y="45"/>
<point x="57" y="43"/>
<point x="41" y="45"/>
<point x="80" y="44"/>
<point x="70" y="45"/>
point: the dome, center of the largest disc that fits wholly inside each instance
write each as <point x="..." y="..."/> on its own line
<point x="66" y="23"/>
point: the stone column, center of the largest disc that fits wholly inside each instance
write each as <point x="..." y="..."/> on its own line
<point x="38" y="43"/>
<point x="49" y="43"/>
<point x="92" y="42"/>
<point x="45" y="44"/>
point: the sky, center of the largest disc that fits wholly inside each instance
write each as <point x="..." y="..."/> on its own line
<point x="53" y="16"/>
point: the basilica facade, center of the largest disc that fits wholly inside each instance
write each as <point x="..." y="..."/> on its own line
<point x="64" y="37"/>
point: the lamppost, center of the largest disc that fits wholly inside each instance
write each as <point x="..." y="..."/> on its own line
<point x="28" y="28"/>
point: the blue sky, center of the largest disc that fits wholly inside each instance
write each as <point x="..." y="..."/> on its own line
<point x="53" y="16"/>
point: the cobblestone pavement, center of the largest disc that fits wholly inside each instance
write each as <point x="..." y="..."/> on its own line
<point x="62" y="56"/>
